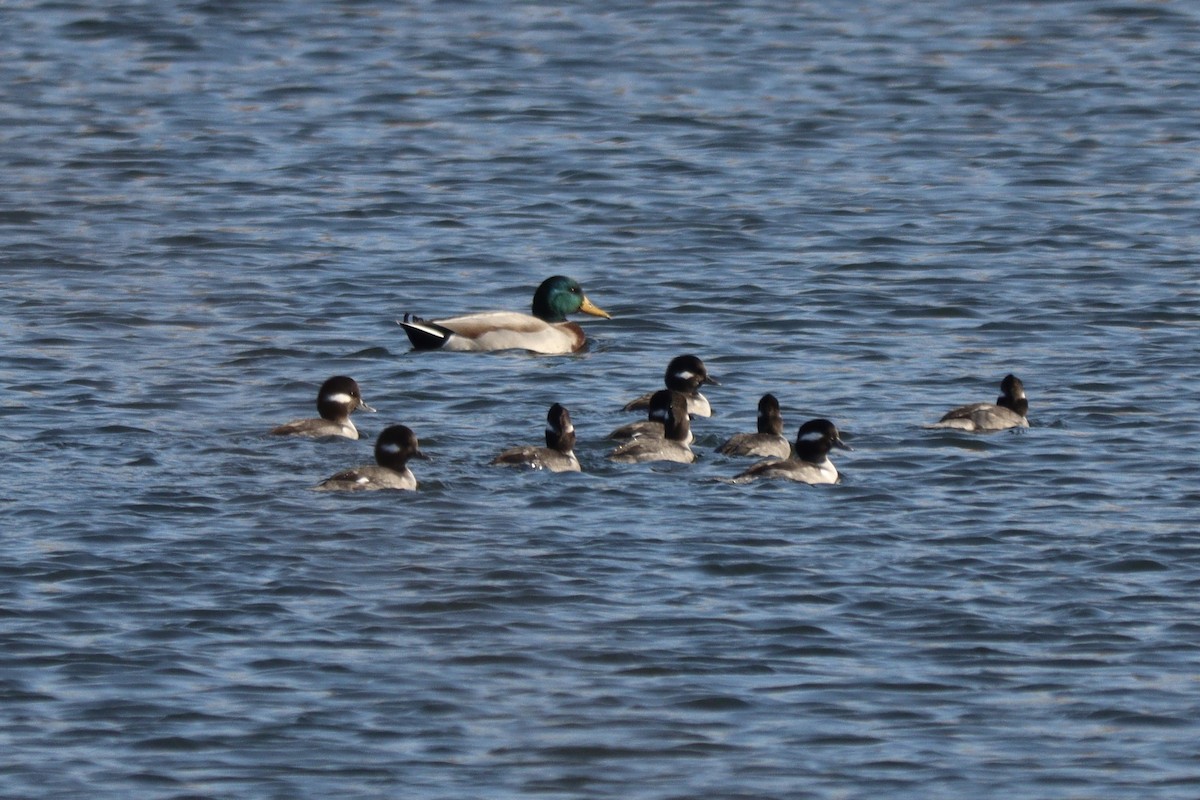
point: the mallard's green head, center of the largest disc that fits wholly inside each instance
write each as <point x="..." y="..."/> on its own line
<point x="559" y="296"/>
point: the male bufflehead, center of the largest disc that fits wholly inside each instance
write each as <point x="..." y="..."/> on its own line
<point x="768" y="442"/>
<point x="1009" y="411"/>
<point x="670" y="410"/>
<point x="810" y="462"/>
<point x="393" y="449"/>
<point x="559" y="453"/>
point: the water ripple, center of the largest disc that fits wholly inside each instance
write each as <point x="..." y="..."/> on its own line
<point x="209" y="209"/>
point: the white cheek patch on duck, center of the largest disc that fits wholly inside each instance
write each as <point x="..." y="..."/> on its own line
<point x="390" y="449"/>
<point x="812" y="436"/>
<point x="659" y="415"/>
<point x="685" y="375"/>
<point x="340" y="397"/>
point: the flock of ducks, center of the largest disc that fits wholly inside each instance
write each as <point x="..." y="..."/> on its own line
<point x="665" y="434"/>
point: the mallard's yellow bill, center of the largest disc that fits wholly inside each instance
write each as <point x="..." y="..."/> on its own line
<point x="589" y="308"/>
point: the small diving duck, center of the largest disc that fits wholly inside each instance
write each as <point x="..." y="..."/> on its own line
<point x="669" y="409"/>
<point x="393" y="449"/>
<point x="1009" y="411"/>
<point x="810" y="463"/>
<point x="559" y="453"/>
<point x="768" y="442"/>
<point x="685" y="374"/>
<point x="546" y="331"/>
<point x="336" y="400"/>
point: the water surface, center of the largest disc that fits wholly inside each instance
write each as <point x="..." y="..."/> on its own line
<point x="874" y="212"/>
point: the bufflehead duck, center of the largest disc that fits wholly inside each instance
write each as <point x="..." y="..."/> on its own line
<point x="545" y="331"/>
<point x="559" y="453"/>
<point x="685" y="374"/>
<point x="670" y="410"/>
<point x="394" y="447"/>
<point x="338" y="398"/>
<point x="1009" y="411"/>
<point x="810" y="463"/>
<point x="769" y="442"/>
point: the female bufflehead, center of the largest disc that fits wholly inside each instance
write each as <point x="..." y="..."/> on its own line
<point x="685" y="374"/>
<point x="769" y="442"/>
<point x="338" y="398"/>
<point x="559" y="453"/>
<point x="547" y="330"/>
<point x="670" y="410"/>
<point x="810" y="463"/>
<point x="394" y="447"/>
<point x="1009" y="411"/>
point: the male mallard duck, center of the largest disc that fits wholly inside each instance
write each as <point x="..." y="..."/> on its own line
<point x="1008" y="412"/>
<point x="336" y="399"/>
<point x="685" y="374"/>
<point x="670" y="410"/>
<point x="809" y="464"/>
<point x="768" y="442"/>
<point x="559" y="453"/>
<point x="546" y="331"/>
<point x="394" y="447"/>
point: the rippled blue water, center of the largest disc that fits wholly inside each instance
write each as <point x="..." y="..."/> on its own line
<point x="874" y="210"/>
